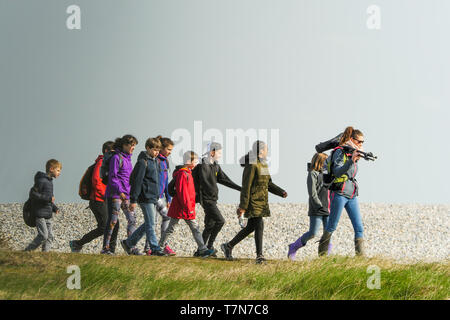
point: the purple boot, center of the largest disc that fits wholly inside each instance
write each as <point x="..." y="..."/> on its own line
<point x="330" y="246"/>
<point x="293" y="247"/>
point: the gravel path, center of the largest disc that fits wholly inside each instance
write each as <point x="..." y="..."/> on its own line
<point x="405" y="233"/>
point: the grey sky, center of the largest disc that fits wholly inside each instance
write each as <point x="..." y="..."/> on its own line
<point x="307" y="68"/>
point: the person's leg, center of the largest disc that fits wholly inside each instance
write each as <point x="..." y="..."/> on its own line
<point x="131" y="217"/>
<point x="162" y="210"/>
<point x="218" y="223"/>
<point x="354" y="213"/>
<point x="193" y="225"/>
<point x="100" y="211"/>
<point x="337" y="205"/>
<point x="113" y="226"/>
<point x="42" y="235"/>
<point x="259" y="231"/>
<point x="301" y="242"/>
<point x="209" y="223"/>
<point x="173" y="223"/>
<point x="241" y="235"/>
<point x="47" y="244"/>
<point x="149" y="211"/>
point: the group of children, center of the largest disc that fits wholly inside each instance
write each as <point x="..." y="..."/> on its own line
<point x="118" y="186"/>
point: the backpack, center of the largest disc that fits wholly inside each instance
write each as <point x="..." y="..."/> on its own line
<point x="329" y="178"/>
<point x="85" y="187"/>
<point x="329" y="144"/>
<point x="29" y="216"/>
<point x="171" y="187"/>
<point x="104" y="169"/>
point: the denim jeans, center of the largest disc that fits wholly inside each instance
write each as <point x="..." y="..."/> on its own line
<point x="44" y="237"/>
<point x="338" y="203"/>
<point x="147" y="228"/>
<point x="314" y="225"/>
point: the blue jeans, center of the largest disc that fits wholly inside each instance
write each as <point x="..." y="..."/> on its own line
<point x="147" y="228"/>
<point x="314" y="225"/>
<point x="338" y="203"/>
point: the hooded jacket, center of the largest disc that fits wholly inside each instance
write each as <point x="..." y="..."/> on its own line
<point x="256" y="183"/>
<point x="318" y="194"/>
<point x="348" y="188"/>
<point x="41" y="196"/>
<point x="183" y="203"/>
<point x="164" y="177"/>
<point x="98" y="188"/>
<point x="206" y="176"/>
<point x="119" y="176"/>
<point x="145" y="180"/>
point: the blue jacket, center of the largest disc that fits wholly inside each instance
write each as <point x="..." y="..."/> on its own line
<point x="348" y="188"/>
<point x="164" y="177"/>
<point x="144" y="180"/>
<point x="41" y="196"/>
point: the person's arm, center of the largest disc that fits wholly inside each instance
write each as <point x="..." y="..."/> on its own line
<point x="166" y="189"/>
<point x="273" y="188"/>
<point x="222" y="178"/>
<point x="312" y="190"/>
<point x="247" y="180"/>
<point x="181" y="185"/>
<point x="114" y="183"/>
<point x="54" y="208"/>
<point x="96" y="182"/>
<point x="338" y="166"/>
<point x="136" y="187"/>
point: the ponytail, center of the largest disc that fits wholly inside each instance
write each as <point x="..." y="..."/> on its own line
<point x="348" y="133"/>
<point x="126" y="139"/>
<point x="165" y="142"/>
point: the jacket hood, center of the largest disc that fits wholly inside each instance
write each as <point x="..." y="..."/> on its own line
<point x="100" y="157"/>
<point x="249" y="158"/>
<point x="143" y="155"/>
<point x="177" y="168"/>
<point x="40" y="175"/>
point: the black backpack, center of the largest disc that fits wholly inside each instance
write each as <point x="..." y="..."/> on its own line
<point x="29" y="216"/>
<point x="104" y="169"/>
<point x="85" y="188"/>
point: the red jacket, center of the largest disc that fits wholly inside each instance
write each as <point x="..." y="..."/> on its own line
<point x="183" y="204"/>
<point x="98" y="188"/>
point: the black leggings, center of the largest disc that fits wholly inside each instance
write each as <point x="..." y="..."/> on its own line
<point x="254" y="224"/>
<point x="100" y="211"/>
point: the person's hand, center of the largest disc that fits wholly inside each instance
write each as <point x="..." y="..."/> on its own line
<point x="123" y="197"/>
<point x="355" y="156"/>
<point x="53" y="199"/>
<point x="168" y="205"/>
<point x="132" y="207"/>
<point x="285" y="194"/>
<point x="57" y="211"/>
<point x="240" y="212"/>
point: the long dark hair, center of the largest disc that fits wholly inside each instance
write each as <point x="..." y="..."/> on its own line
<point x="349" y="133"/>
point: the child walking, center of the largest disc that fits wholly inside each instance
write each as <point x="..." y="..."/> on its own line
<point x="43" y="205"/>
<point x="318" y="211"/>
<point x="118" y="191"/>
<point x="183" y="204"/>
<point x="97" y="203"/>
<point x="144" y="183"/>
<point x="206" y="176"/>
<point x="256" y="183"/>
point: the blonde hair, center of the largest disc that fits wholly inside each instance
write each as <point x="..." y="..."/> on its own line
<point x="317" y="161"/>
<point x="52" y="163"/>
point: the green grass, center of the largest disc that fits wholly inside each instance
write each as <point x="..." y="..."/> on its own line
<point x="37" y="275"/>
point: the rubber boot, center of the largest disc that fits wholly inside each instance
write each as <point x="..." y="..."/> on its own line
<point x="293" y="247"/>
<point x="359" y="247"/>
<point x="330" y="247"/>
<point x="324" y="243"/>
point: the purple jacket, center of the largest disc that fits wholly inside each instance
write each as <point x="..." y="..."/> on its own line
<point x="164" y="178"/>
<point x="119" y="176"/>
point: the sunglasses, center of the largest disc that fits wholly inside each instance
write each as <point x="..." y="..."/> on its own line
<point x="359" y="141"/>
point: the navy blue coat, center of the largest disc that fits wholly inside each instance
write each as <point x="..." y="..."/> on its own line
<point x="41" y="196"/>
<point x="144" y="180"/>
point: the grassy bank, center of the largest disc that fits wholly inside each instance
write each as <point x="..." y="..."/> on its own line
<point x="38" y="275"/>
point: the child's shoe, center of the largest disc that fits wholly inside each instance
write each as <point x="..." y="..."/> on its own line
<point x="261" y="260"/>
<point x="227" y="250"/>
<point x="125" y="246"/>
<point x="168" y="251"/>
<point x="74" y="247"/>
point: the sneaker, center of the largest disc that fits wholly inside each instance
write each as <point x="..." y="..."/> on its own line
<point x="135" y="252"/>
<point x="226" y="251"/>
<point x="74" y="247"/>
<point x="196" y="253"/>
<point x="148" y="252"/>
<point x="214" y="255"/>
<point x="169" y="251"/>
<point x="159" y="253"/>
<point x="125" y="247"/>
<point x="106" y="251"/>
<point x="207" y="253"/>
<point x="261" y="260"/>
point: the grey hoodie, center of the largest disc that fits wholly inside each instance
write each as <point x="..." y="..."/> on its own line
<point x="318" y="194"/>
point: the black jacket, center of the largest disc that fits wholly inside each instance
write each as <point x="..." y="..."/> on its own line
<point x="206" y="176"/>
<point x="144" y="180"/>
<point x="41" y="196"/>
